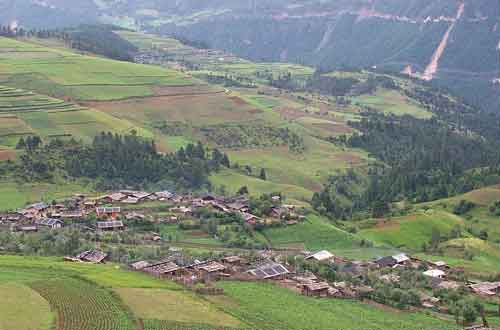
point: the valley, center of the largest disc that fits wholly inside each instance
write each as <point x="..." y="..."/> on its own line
<point x="197" y="155"/>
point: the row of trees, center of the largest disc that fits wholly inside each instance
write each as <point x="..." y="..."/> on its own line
<point x="120" y="160"/>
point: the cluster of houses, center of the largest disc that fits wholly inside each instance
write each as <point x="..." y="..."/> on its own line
<point x="109" y="208"/>
<point x="269" y="266"/>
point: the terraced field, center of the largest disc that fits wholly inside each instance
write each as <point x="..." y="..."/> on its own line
<point x="25" y="113"/>
<point x="61" y="73"/>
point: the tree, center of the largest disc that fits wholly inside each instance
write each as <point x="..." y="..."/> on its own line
<point x="263" y="175"/>
<point x="243" y="190"/>
<point x="21" y="144"/>
<point x="380" y="209"/>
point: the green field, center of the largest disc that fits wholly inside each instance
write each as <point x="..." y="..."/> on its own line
<point x="17" y="300"/>
<point x="392" y="102"/>
<point x="269" y="307"/>
<point x="61" y="73"/>
<point x="174" y="306"/>
<point x="233" y="181"/>
<point x="414" y="230"/>
<point x="25" y="113"/>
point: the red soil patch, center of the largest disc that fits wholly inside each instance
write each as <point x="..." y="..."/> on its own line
<point x="350" y="158"/>
<point x="197" y="233"/>
<point x="7" y="154"/>
<point x="185" y="90"/>
<point x="335" y="129"/>
<point x="288" y="113"/>
<point x="207" y="108"/>
<point x="238" y="100"/>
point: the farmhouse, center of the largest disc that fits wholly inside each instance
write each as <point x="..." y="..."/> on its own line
<point x="140" y="195"/>
<point x="51" y="223"/>
<point x="164" y="195"/>
<point x="315" y="289"/>
<point x="139" y="265"/>
<point x="116" y="197"/>
<point x="163" y="269"/>
<point x="93" y="256"/>
<point x="77" y="214"/>
<point x="439" y="265"/>
<point x="130" y="200"/>
<point x="210" y="271"/>
<point x="110" y="225"/>
<point x="233" y="260"/>
<point x="269" y="270"/>
<point x="392" y="261"/>
<point x="435" y="273"/>
<point x="487" y="289"/>
<point x="108" y="211"/>
<point x="320" y="256"/>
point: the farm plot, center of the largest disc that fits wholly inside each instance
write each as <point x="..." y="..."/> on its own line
<point x="18" y="302"/>
<point x="392" y="102"/>
<point x="313" y="234"/>
<point x="168" y="325"/>
<point x="25" y="113"/>
<point x="81" y="306"/>
<point x="412" y="231"/>
<point x="60" y="72"/>
<point x="210" y="109"/>
<point x="269" y="307"/>
<point x="174" y="306"/>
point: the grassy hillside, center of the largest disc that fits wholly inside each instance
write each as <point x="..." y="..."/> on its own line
<point x="62" y="73"/>
<point x="71" y="95"/>
<point x="24" y="113"/>
<point x="414" y="230"/>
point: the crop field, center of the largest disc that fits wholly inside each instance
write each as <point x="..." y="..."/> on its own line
<point x="19" y="301"/>
<point x="174" y="306"/>
<point x="169" y="325"/>
<point x="25" y="113"/>
<point x="412" y="231"/>
<point x="313" y="234"/>
<point x="268" y="307"/>
<point x="207" y="109"/>
<point x="59" y="73"/>
<point x="392" y="102"/>
<point x="82" y="306"/>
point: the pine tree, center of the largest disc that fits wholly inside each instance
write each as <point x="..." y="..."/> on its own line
<point x="263" y="175"/>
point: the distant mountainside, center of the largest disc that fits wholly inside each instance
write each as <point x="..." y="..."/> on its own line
<point x="454" y="43"/>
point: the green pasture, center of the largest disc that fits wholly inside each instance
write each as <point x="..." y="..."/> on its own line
<point x="392" y="102"/>
<point x="412" y="231"/>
